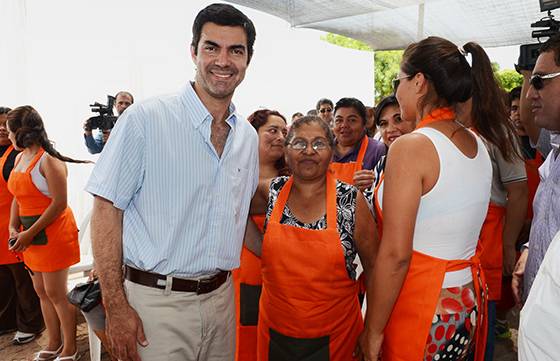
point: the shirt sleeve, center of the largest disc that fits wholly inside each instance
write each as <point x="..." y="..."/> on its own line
<point x="93" y="145"/>
<point x="119" y="172"/>
<point x="510" y="171"/>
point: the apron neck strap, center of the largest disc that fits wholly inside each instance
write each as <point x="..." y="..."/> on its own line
<point x="282" y="199"/>
<point x="35" y="160"/>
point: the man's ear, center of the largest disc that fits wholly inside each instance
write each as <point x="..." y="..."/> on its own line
<point x="193" y="53"/>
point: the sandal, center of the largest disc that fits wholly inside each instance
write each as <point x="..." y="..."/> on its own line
<point x="74" y="357"/>
<point x="45" y="355"/>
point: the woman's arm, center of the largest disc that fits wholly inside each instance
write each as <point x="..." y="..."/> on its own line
<point x="409" y="159"/>
<point x="253" y="237"/>
<point x="259" y="203"/>
<point x="54" y="172"/>
<point x="15" y="223"/>
<point x="365" y="235"/>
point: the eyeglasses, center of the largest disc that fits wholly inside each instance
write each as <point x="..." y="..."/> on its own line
<point x="397" y="81"/>
<point x="537" y="80"/>
<point x="328" y="110"/>
<point x="316" y="145"/>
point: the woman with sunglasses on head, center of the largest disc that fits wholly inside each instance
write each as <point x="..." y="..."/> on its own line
<point x="315" y="226"/>
<point x="43" y="227"/>
<point x="427" y="284"/>
<point x="355" y="154"/>
<point x="271" y="127"/>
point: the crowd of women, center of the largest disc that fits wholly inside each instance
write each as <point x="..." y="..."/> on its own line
<point x="336" y="215"/>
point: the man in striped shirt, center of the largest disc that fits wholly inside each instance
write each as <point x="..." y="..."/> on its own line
<point x="172" y="192"/>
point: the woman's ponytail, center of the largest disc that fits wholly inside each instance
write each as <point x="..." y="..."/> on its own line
<point x="490" y="116"/>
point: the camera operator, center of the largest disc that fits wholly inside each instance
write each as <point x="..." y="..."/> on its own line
<point x="95" y="144"/>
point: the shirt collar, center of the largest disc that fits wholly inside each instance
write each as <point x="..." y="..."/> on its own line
<point x="199" y="113"/>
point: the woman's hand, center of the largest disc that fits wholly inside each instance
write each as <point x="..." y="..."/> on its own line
<point x="363" y="179"/>
<point x="13" y="232"/>
<point x="369" y="346"/>
<point x="23" y="240"/>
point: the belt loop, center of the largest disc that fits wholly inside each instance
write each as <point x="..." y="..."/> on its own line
<point x="168" y="285"/>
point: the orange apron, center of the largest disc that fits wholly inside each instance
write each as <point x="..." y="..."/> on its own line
<point x="6" y="257"/>
<point x="345" y="171"/>
<point x="406" y="333"/>
<point x="309" y="305"/>
<point x="55" y="247"/>
<point x="248" y="284"/>
<point x="490" y="248"/>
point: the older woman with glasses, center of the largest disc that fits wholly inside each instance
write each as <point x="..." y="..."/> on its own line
<point x="315" y="226"/>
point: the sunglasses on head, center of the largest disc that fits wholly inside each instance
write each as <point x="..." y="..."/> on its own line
<point x="328" y="110"/>
<point x="537" y="80"/>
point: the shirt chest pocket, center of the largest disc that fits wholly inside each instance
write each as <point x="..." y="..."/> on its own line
<point x="237" y="179"/>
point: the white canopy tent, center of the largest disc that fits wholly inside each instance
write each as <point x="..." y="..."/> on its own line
<point x="393" y="24"/>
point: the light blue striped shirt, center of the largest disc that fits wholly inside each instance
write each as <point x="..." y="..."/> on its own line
<point x="185" y="208"/>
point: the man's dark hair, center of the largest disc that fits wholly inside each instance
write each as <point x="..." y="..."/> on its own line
<point x="125" y="93"/>
<point x="224" y="15"/>
<point x="352" y="103"/>
<point x="323" y="101"/>
<point x="514" y="94"/>
<point x="385" y="102"/>
<point x="552" y="44"/>
<point x="4" y="110"/>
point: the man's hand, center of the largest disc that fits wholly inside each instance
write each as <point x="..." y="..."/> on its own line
<point x="518" y="273"/>
<point x="124" y="330"/>
<point x="363" y="179"/>
<point x="87" y="128"/>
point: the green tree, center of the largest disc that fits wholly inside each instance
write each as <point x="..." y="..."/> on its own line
<point x="386" y="68"/>
<point x="509" y="79"/>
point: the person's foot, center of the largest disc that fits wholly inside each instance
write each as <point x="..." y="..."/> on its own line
<point x="21" y="338"/>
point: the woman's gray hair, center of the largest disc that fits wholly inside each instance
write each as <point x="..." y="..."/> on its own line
<point x="308" y="120"/>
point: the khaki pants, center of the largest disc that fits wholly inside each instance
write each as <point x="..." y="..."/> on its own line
<point x="184" y="326"/>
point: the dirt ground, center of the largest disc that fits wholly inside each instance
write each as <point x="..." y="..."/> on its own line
<point x="506" y="350"/>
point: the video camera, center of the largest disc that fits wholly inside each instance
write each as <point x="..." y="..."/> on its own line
<point x="547" y="26"/>
<point x="106" y="119"/>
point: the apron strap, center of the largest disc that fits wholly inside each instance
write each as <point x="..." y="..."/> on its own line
<point x="282" y="199"/>
<point x="362" y="153"/>
<point x="35" y="160"/>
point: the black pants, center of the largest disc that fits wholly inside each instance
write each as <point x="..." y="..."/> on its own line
<point x="19" y="305"/>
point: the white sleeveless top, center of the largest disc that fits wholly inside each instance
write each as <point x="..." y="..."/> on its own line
<point x="451" y="214"/>
<point x="38" y="179"/>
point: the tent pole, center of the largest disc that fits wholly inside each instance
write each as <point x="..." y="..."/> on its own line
<point x="420" y="33"/>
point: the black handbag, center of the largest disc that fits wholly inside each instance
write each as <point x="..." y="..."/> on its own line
<point x="85" y="296"/>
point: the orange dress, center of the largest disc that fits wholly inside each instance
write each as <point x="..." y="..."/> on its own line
<point x="309" y="307"/>
<point x="6" y="257"/>
<point x="409" y="325"/>
<point x="55" y="247"/>
<point x="247" y="281"/>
